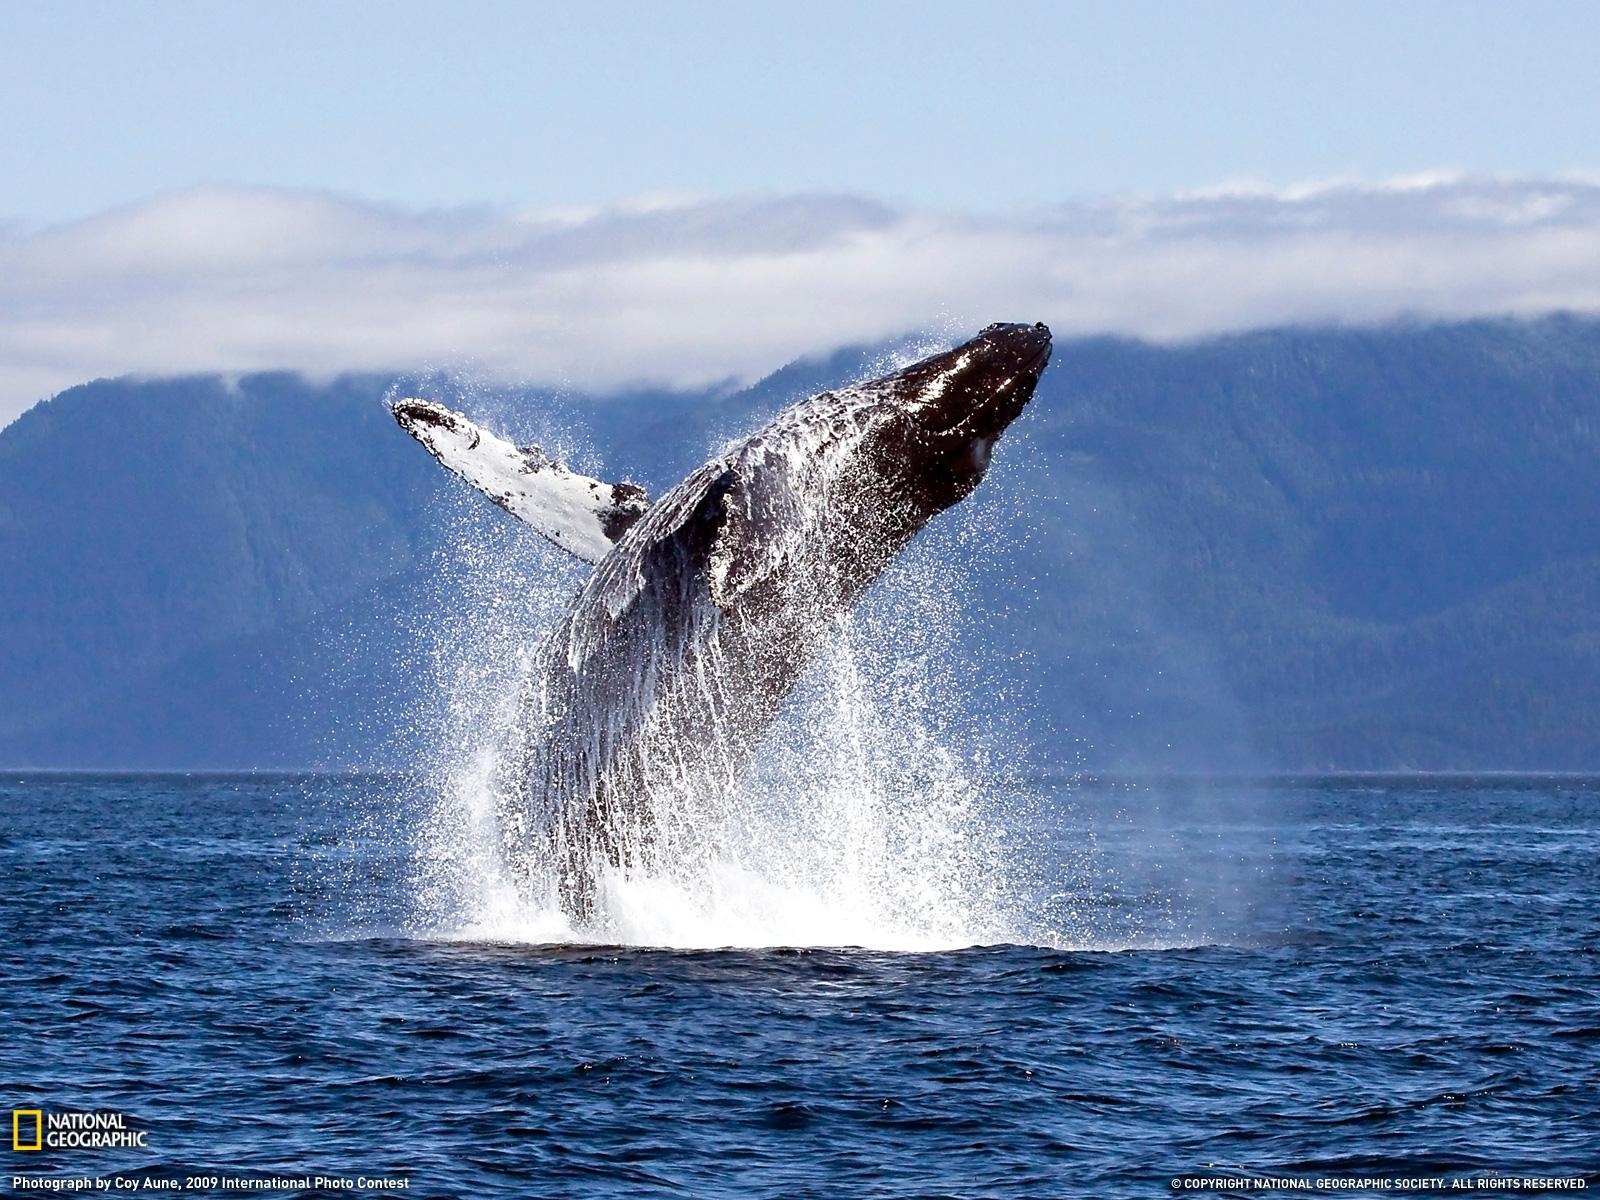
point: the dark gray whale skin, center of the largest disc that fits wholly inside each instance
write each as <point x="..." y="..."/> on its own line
<point x="652" y="692"/>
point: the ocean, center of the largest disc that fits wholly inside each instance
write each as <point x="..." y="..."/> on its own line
<point x="1223" y="986"/>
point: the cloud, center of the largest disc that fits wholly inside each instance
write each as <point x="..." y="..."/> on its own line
<point x="685" y="291"/>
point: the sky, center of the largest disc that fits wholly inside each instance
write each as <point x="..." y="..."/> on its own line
<point x="325" y="186"/>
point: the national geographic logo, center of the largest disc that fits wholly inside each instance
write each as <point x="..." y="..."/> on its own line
<point x="35" y="1129"/>
<point x="20" y="1120"/>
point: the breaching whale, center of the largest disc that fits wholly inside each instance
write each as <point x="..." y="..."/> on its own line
<point x="651" y="693"/>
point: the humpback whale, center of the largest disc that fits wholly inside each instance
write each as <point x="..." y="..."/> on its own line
<point x="652" y="692"/>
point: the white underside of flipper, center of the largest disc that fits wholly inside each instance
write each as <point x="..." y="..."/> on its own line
<point x="581" y="515"/>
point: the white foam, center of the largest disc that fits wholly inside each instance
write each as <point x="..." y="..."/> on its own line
<point x="855" y="826"/>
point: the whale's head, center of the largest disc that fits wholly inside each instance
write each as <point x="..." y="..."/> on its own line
<point x="941" y="417"/>
<point x="837" y="485"/>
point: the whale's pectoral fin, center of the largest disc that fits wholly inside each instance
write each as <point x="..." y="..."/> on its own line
<point x="579" y="514"/>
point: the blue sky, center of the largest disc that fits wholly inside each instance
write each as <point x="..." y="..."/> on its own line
<point x="595" y="195"/>
<point x="955" y="106"/>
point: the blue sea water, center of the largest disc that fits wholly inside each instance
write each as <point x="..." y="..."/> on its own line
<point x="1375" y="977"/>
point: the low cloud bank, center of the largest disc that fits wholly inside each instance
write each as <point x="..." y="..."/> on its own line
<point x="687" y="292"/>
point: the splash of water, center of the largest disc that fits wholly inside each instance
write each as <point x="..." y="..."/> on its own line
<point x="856" y="824"/>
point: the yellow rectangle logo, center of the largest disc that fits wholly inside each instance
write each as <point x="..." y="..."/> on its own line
<point x="16" y="1128"/>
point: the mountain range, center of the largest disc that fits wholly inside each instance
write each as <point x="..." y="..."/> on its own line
<point x="1298" y="549"/>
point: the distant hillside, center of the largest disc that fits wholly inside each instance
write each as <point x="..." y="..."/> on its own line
<point x="1377" y="548"/>
<point x="1301" y="549"/>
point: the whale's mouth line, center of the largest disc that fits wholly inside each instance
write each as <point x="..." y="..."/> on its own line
<point x="994" y="413"/>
